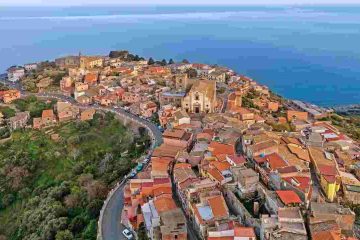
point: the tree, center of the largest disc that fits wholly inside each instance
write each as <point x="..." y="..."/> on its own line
<point x="64" y="235"/>
<point x="185" y="61"/>
<point x="171" y="61"/>
<point x="163" y="62"/>
<point x="7" y="112"/>
<point x="151" y="61"/>
<point x="192" y="73"/>
<point x="142" y="232"/>
<point x="77" y="224"/>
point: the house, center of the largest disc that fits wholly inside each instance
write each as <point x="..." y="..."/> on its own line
<point x="84" y="100"/>
<point x="218" y="76"/>
<point x="66" y="111"/>
<point x="262" y="148"/>
<point x="321" y="214"/>
<point x="48" y="117"/>
<point x="68" y="62"/>
<point x="272" y="106"/>
<point x="201" y="98"/>
<point x="89" y="62"/>
<point x="351" y="187"/>
<point x="10" y="95"/>
<point x="326" y="170"/>
<point x="19" y="120"/>
<point x="287" y="224"/>
<point x="173" y="98"/>
<point x="291" y="115"/>
<point x="180" y="117"/>
<point x="178" y="137"/>
<point x="208" y="211"/>
<point x="246" y="179"/>
<point x="91" y="79"/>
<point x="30" y="66"/>
<point x="87" y="114"/>
<point x="14" y="74"/>
<point x="231" y="230"/>
<point x="147" y="109"/>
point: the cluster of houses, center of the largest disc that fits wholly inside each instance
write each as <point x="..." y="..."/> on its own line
<point x="236" y="178"/>
<point x="222" y="170"/>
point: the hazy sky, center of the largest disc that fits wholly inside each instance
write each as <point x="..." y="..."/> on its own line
<point x="152" y="2"/>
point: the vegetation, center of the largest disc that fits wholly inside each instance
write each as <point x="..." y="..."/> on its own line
<point x="151" y="61"/>
<point x="7" y="112"/>
<point x="347" y="124"/>
<point x="54" y="190"/>
<point x="33" y="105"/>
<point x="191" y="72"/>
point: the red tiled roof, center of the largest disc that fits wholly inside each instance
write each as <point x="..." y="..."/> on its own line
<point x="244" y="232"/>
<point x="288" y="196"/>
<point x="218" y="206"/>
<point x="275" y="161"/>
<point x="329" y="170"/>
<point x="47" y="113"/>
<point x="237" y="159"/>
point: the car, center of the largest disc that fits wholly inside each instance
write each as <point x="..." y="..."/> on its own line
<point x="127" y="234"/>
<point x="139" y="167"/>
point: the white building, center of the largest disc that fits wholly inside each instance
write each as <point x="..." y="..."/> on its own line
<point x="15" y="73"/>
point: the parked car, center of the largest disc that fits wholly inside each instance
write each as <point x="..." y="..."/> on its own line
<point x="139" y="167"/>
<point x="127" y="234"/>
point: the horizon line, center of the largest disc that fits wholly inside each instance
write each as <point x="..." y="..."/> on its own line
<point x="179" y="4"/>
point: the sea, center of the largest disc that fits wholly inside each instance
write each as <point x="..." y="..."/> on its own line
<point x="309" y="53"/>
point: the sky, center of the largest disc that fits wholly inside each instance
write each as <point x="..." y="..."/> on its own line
<point x="170" y="2"/>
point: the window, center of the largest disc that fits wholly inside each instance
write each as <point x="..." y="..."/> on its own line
<point x="197" y="97"/>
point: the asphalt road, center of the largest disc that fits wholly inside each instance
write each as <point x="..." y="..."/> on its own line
<point x="110" y="221"/>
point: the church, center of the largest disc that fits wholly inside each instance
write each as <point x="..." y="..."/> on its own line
<point x="201" y="97"/>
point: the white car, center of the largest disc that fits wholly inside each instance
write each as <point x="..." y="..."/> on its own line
<point x="127" y="234"/>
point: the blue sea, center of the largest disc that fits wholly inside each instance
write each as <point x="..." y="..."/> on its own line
<point x="309" y="53"/>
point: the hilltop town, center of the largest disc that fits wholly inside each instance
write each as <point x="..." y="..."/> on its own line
<point x="236" y="161"/>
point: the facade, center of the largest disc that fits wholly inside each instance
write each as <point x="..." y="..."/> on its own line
<point x="14" y="74"/>
<point x="19" y="120"/>
<point x="68" y="62"/>
<point x="9" y="95"/>
<point x="201" y="98"/>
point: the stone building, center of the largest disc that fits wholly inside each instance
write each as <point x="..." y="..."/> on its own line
<point x="201" y="98"/>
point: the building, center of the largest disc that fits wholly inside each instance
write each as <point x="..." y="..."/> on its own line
<point x="287" y="224"/>
<point x="9" y="95"/>
<point x="14" y="74"/>
<point x="291" y="115"/>
<point x="89" y="62"/>
<point x="173" y="98"/>
<point x="87" y="114"/>
<point x="66" y="111"/>
<point x="19" y="120"/>
<point x="201" y="98"/>
<point x="147" y="109"/>
<point x="48" y="117"/>
<point x="246" y="178"/>
<point x="322" y="213"/>
<point x="181" y="82"/>
<point x="178" y="137"/>
<point x="30" y="67"/>
<point x="68" y="62"/>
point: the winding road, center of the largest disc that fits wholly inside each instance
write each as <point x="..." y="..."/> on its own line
<point x="109" y="225"/>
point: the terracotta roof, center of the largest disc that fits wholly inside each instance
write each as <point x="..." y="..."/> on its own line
<point x="164" y="203"/>
<point x="275" y="161"/>
<point x="91" y="77"/>
<point x="244" y="232"/>
<point x="328" y="170"/>
<point x="326" y="235"/>
<point x="162" y="190"/>
<point x="218" y="206"/>
<point x="49" y="113"/>
<point x="288" y="196"/>
<point x="215" y="174"/>
<point x="174" y="133"/>
<point x="219" y="148"/>
<point x="237" y="159"/>
<point x="221" y="166"/>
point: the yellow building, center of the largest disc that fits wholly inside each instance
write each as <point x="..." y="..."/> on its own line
<point x="88" y="62"/>
<point x="326" y="170"/>
<point x="201" y="98"/>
